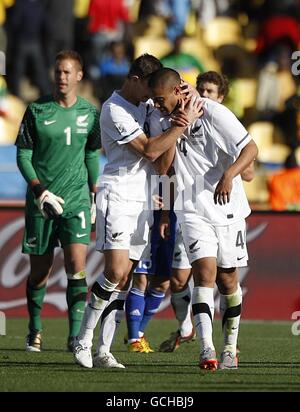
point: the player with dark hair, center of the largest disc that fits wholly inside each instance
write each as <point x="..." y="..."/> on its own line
<point x="213" y="85"/>
<point x="122" y="222"/>
<point x="211" y="207"/>
<point x="57" y="154"/>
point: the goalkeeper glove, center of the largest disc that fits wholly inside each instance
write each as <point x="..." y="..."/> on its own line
<point x="93" y="208"/>
<point x="48" y="203"/>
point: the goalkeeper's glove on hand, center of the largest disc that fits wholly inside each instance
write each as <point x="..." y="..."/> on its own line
<point x="47" y="202"/>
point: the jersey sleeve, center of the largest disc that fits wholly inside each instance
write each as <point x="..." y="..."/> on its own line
<point x="94" y="137"/>
<point x="120" y="125"/>
<point x="24" y="162"/>
<point x="27" y="132"/>
<point x="228" y="131"/>
<point x="156" y="124"/>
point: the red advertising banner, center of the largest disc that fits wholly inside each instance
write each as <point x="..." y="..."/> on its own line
<point x="271" y="282"/>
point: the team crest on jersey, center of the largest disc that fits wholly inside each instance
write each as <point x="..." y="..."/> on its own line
<point x="197" y="130"/>
<point x="81" y="121"/>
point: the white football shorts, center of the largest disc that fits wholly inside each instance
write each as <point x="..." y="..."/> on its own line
<point x="226" y="243"/>
<point x="121" y="224"/>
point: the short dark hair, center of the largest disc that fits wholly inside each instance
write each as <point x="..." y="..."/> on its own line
<point x="69" y="54"/>
<point x="164" y="76"/>
<point x="219" y="80"/>
<point x="144" y="65"/>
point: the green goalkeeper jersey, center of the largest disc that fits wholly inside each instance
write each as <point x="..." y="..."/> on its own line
<point x="60" y="141"/>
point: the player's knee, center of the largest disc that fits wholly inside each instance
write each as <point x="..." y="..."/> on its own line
<point x="161" y="284"/>
<point x="116" y="274"/>
<point x="205" y="277"/>
<point x="178" y="285"/>
<point x="227" y="282"/>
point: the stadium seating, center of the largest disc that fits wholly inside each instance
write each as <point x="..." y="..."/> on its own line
<point x="257" y="189"/>
<point x="246" y="92"/>
<point x="196" y="47"/>
<point x="158" y="46"/>
<point x="274" y="156"/>
<point x="221" y="31"/>
<point x="262" y="133"/>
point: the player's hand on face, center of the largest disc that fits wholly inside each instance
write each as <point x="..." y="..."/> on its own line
<point x="187" y="90"/>
<point x="164" y="225"/>
<point x="194" y="108"/>
<point x="223" y="190"/>
<point x="179" y="117"/>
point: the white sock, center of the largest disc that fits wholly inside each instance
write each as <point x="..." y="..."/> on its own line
<point x="110" y="321"/>
<point x="203" y="311"/>
<point x="100" y="295"/>
<point x="181" y="303"/>
<point x="230" y="309"/>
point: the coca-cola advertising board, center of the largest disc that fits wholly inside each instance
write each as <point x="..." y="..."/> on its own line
<point x="271" y="282"/>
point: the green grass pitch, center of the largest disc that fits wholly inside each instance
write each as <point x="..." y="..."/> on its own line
<point x="269" y="361"/>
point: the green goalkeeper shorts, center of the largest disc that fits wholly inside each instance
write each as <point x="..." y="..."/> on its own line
<point x="41" y="235"/>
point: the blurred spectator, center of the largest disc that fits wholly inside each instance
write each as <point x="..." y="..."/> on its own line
<point x="149" y="8"/>
<point x="60" y="35"/>
<point x="109" y="21"/>
<point x="81" y="35"/>
<point x="186" y="64"/>
<point x="279" y="27"/>
<point x="284" y="186"/>
<point x="27" y="21"/>
<point x="289" y="121"/>
<point x="113" y="69"/>
<point x="176" y="13"/>
<point x="208" y="10"/>
<point x="275" y="85"/>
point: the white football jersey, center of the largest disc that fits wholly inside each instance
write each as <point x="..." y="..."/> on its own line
<point x="203" y="153"/>
<point x="125" y="171"/>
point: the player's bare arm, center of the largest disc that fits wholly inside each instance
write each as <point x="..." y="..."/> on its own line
<point x="248" y="174"/>
<point x="152" y="148"/>
<point x="224" y="187"/>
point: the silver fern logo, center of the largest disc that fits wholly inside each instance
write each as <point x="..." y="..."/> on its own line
<point x="252" y="234"/>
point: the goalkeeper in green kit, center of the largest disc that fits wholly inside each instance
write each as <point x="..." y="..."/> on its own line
<point x="57" y="153"/>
